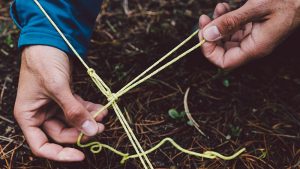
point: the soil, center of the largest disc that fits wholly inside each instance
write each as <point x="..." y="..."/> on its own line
<point x="255" y="106"/>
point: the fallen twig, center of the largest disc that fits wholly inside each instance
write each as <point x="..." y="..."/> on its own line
<point x="188" y="114"/>
<point x="4" y="52"/>
<point x="7" y="79"/>
<point x="126" y="8"/>
<point x="11" y="140"/>
<point x="6" y="119"/>
<point x="5" y="18"/>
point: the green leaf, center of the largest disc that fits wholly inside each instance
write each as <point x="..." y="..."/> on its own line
<point x="226" y="83"/>
<point x="173" y="113"/>
<point x="9" y="41"/>
<point x="190" y="123"/>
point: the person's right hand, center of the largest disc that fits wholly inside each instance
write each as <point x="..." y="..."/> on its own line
<point x="249" y="32"/>
<point x="46" y="107"/>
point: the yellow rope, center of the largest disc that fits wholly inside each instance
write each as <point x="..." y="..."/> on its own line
<point x="96" y="147"/>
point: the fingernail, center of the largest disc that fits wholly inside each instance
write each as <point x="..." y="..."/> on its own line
<point x="212" y="33"/>
<point x="89" y="128"/>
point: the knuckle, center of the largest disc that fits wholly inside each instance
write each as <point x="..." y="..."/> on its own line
<point x="231" y="22"/>
<point x="90" y="105"/>
<point x="74" y="113"/>
<point x="36" y="152"/>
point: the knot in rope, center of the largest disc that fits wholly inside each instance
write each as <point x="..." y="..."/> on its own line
<point x="91" y="71"/>
<point x="112" y="97"/>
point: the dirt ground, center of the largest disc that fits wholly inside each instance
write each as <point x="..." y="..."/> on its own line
<point x="255" y="106"/>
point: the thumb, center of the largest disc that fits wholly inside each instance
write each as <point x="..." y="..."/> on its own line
<point x="232" y="21"/>
<point x="76" y="114"/>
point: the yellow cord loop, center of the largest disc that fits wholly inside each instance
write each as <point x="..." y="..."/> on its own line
<point x="96" y="147"/>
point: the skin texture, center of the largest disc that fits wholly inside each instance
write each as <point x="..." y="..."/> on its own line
<point x="252" y="31"/>
<point x="46" y="107"/>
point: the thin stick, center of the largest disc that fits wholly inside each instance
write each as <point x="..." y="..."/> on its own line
<point x="188" y="114"/>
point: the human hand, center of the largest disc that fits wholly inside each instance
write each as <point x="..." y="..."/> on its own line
<point x="252" y="31"/>
<point x="45" y="105"/>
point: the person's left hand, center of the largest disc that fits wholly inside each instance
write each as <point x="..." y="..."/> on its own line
<point x="47" y="108"/>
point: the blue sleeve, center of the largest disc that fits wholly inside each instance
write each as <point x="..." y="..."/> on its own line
<point x="75" y="18"/>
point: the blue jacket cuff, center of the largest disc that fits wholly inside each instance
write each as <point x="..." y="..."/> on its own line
<point x="40" y="38"/>
<point x="74" y="18"/>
